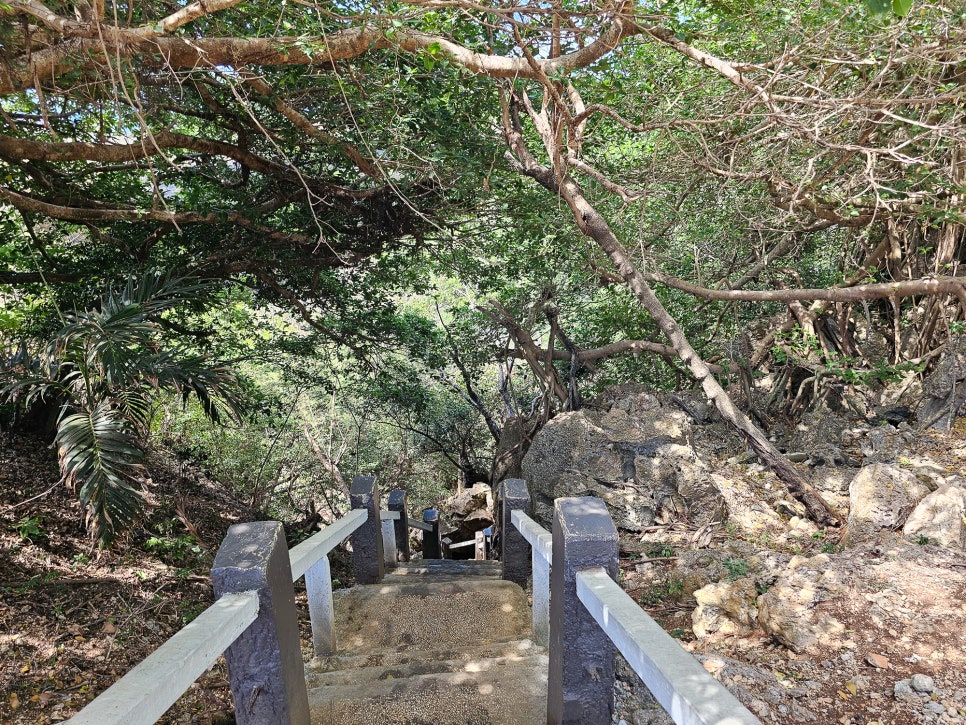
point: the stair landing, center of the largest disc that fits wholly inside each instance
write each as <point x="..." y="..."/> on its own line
<point x="435" y="643"/>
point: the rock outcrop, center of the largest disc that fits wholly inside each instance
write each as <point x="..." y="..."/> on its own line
<point x="726" y="607"/>
<point x="635" y="454"/>
<point x="944" y="391"/>
<point x="940" y="517"/>
<point x="881" y="497"/>
<point x="788" y="610"/>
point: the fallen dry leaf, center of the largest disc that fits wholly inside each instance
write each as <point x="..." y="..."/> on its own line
<point x="878" y="661"/>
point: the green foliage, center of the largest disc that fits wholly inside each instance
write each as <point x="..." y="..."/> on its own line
<point x="797" y="347"/>
<point x="29" y="528"/>
<point x="174" y="548"/>
<point x="899" y="7"/>
<point x="737" y="568"/>
<point x="656" y="593"/>
<point x="104" y="369"/>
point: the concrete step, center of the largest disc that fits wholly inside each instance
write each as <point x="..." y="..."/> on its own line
<point x="423" y="666"/>
<point x="430" y="614"/>
<point x="447" y="567"/>
<point x="485" y="693"/>
<point x="402" y="655"/>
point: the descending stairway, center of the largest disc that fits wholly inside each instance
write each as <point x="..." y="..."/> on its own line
<point x="437" y="642"/>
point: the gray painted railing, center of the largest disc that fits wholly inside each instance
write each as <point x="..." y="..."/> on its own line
<point x="146" y="692"/>
<point x="541" y="546"/>
<point x="254" y="621"/>
<point x="589" y="615"/>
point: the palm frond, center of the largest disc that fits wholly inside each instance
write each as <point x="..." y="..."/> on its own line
<point x="99" y="452"/>
<point x="214" y="385"/>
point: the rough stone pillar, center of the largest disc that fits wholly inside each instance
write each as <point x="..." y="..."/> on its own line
<point x="432" y="546"/>
<point x="397" y="503"/>
<point x="580" y="688"/>
<point x="265" y="663"/>
<point x="367" y="553"/>
<point x="515" y="551"/>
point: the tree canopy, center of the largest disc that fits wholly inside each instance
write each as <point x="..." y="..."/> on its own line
<point x="654" y="177"/>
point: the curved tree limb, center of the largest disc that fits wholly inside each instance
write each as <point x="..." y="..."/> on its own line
<point x="595" y="226"/>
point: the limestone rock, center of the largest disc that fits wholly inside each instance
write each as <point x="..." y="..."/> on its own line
<point x="747" y="509"/>
<point x="726" y="607"/>
<point x="881" y="497"/>
<point x="944" y="391"/>
<point x="884" y="444"/>
<point x="470" y="509"/>
<point x="940" y="517"/>
<point x="634" y="454"/>
<point x="787" y="610"/>
<point x="819" y="428"/>
<point x="922" y="683"/>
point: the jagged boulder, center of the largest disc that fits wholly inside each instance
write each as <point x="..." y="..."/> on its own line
<point x="881" y="497"/>
<point x="470" y="510"/>
<point x="940" y="517"/>
<point x="725" y="607"/>
<point x="944" y="391"/>
<point x="787" y="611"/>
<point x="634" y="454"/>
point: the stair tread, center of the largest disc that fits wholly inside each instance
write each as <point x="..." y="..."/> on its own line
<point x="430" y="613"/>
<point x="510" y="695"/>
<point x="436" y="567"/>
<point x="425" y="666"/>
<point x="403" y="654"/>
<point x="437" y="642"/>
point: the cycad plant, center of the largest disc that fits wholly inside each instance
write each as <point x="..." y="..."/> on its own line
<point x="107" y="365"/>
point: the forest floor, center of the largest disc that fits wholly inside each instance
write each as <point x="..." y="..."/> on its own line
<point x="74" y="619"/>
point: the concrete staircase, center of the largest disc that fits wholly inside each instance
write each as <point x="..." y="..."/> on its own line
<point x="437" y="642"/>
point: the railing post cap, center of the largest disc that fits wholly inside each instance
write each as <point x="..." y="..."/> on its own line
<point x="247" y="547"/>
<point x="397" y="496"/>
<point x="430" y="515"/>
<point x="585" y="517"/>
<point x="362" y="485"/>
<point x="515" y="488"/>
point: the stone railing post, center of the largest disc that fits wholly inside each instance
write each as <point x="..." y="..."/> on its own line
<point x="580" y="687"/>
<point x="318" y="588"/>
<point x="367" y="553"/>
<point x="432" y="546"/>
<point x="514" y="549"/>
<point x="265" y="663"/>
<point x="389" y="544"/>
<point x="397" y="503"/>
